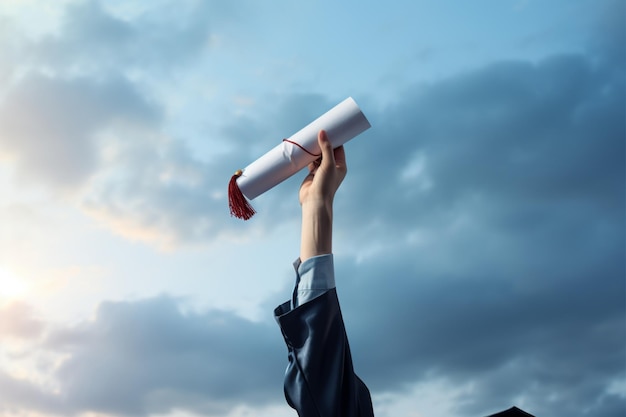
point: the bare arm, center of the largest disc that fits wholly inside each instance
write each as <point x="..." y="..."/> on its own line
<point x="317" y="194"/>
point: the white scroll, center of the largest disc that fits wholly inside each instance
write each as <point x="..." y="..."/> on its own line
<point x="341" y="123"/>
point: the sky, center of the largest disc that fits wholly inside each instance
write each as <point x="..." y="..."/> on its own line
<point x="479" y="235"/>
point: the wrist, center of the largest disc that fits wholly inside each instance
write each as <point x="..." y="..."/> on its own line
<point x="317" y="205"/>
<point x="317" y="225"/>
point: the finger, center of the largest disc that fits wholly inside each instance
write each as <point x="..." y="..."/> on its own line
<point x="340" y="157"/>
<point x="313" y="166"/>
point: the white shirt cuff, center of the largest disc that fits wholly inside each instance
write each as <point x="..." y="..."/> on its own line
<point x="316" y="275"/>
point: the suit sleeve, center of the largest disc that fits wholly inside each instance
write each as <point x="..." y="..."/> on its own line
<point x="320" y="379"/>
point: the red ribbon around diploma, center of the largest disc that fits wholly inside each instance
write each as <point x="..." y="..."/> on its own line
<point x="341" y="123"/>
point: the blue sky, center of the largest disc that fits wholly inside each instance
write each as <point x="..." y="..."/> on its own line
<point x="479" y="236"/>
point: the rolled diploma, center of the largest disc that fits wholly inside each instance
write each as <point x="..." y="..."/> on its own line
<point x="341" y="123"/>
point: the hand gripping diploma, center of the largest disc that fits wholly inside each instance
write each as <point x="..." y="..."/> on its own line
<point x="320" y="379"/>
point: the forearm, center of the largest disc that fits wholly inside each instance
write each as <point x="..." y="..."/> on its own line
<point x="317" y="229"/>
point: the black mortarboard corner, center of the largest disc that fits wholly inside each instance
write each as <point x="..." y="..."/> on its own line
<point x="511" y="412"/>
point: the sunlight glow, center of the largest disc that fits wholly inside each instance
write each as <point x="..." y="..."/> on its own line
<point x="10" y="285"/>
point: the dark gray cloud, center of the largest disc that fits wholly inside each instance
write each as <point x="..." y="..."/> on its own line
<point x="507" y="269"/>
<point x="522" y="331"/>
<point x="203" y="362"/>
<point x="518" y="285"/>
<point x="517" y="134"/>
<point x="145" y="357"/>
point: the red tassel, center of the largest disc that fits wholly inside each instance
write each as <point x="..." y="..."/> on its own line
<point x="239" y="206"/>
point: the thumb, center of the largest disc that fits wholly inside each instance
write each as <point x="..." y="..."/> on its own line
<point x="328" y="156"/>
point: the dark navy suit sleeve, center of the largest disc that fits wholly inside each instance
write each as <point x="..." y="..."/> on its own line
<point x="320" y="379"/>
